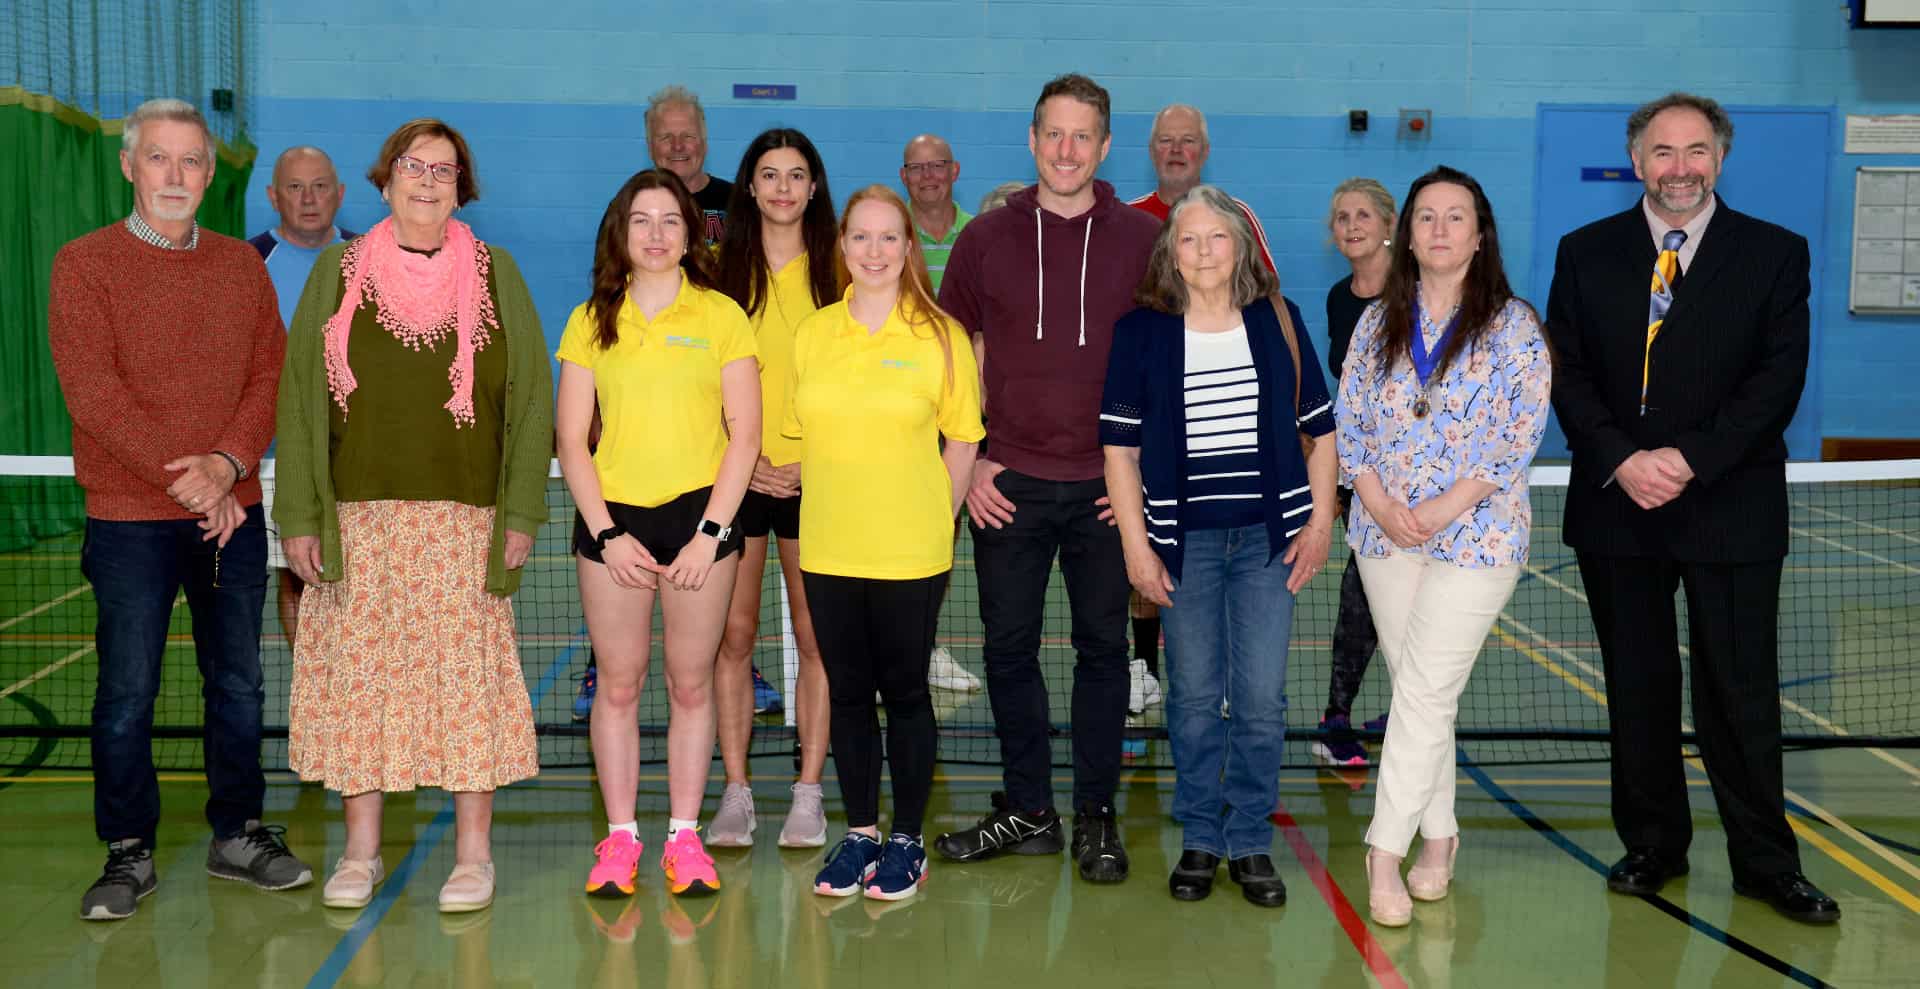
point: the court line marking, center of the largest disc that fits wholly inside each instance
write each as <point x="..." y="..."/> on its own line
<point x="46" y="671"/>
<point x="1850" y="520"/>
<point x="1558" y="839"/>
<point x="37" y="609"/>
<point x="1376" y="957"/>
<point x="1834" y="852"/>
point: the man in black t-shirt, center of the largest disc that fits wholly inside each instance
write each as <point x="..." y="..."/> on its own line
<point x="677" y="141"/>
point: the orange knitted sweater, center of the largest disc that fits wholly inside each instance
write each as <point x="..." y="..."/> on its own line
<point x="162" y="354"/>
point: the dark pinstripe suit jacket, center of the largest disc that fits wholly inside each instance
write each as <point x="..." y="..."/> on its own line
<point x="1727" y="371"/>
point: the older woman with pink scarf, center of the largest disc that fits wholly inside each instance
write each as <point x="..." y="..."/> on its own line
<point x="415" y="423"/>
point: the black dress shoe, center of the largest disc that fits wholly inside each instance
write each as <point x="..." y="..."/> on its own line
<point x="1643" y="872"/>
<point x="1791" y="895"/>
<point x="1192" y="878"/>
<point x="1259" y="880"/>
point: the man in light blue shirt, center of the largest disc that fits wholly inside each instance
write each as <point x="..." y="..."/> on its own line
<point x="306" y="192"/>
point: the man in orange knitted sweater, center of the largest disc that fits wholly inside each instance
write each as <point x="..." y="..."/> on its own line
<point x="168" y="344"/>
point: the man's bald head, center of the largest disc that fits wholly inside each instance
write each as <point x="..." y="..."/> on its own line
<point x="928" y="171"/>
<point x="306" y="192"/>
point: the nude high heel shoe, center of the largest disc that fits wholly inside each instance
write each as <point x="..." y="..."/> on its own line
<point x="1389" y="909"/>
<point x="1430" y="883"/>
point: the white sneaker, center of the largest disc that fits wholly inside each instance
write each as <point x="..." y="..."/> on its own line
<point x="943" y="673"/>
<point x="732" y="826"/>
<point x="1144" y="691"/>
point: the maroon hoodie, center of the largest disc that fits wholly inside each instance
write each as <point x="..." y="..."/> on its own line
<point x="1046" y="291"/>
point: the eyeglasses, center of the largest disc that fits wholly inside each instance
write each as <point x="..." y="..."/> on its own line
<point x="938" y="166"/>
<point x="413" y="168"/>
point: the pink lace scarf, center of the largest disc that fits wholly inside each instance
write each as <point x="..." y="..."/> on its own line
<point x="419" y="299"/>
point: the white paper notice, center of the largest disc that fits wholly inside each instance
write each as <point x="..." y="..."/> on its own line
<point x="1881" y="222"/>
<point x="1878" y="256"/>
<point x="1883" y="188"/>
<point x="1893" y="134"/>
<point x="1910" y="293"/>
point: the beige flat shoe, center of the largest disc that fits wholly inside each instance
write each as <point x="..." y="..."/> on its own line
<point x="1430" y="883"/>
<point x="1389" y="909"/>
<point x="351" y="885"/>
<point x="469" y="888"/>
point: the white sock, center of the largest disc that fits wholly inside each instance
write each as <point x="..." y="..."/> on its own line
<point x="631" y="827"/>
<point x="676" y="825"/>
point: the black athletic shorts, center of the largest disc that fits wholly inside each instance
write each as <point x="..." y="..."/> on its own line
<point x="761" y="514"/>
<point x="663" y="529"/>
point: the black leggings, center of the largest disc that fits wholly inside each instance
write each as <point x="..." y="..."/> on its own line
<point x="878" y="635"/>
<point x="1354" y="639"/>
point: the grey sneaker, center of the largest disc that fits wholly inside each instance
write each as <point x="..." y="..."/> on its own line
<point x="732" y="827"/>
<point x="806" y="825"/>
<point x="128" y="878"/>
<point x="258" y="855"/>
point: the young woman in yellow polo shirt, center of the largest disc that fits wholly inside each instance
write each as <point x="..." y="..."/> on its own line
<point x="780" y="262"/>
<point x="671" y="361"/>
<point x="879" y="378"/>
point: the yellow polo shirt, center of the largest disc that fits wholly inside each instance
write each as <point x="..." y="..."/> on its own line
<point x="789" y="301"/>
<point x="868" y="410"/>
<point x="663" y="431"/>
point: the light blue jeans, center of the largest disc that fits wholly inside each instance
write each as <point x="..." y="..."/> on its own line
<point x="1227" y="638"/>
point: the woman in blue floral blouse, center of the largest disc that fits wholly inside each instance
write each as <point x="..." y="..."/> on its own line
<point x="1443" y="400"/>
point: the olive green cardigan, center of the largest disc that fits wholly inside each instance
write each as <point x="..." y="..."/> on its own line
<point x="303" y="501"/>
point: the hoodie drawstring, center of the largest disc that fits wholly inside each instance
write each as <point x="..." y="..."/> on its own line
<point x="1040" y="304"/>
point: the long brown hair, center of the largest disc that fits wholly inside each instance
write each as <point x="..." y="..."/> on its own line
<point x="613" y="263"/>
<point x="743" y="272"/>
<point x="916" y="287"/>
<point x="1485" y="292"/>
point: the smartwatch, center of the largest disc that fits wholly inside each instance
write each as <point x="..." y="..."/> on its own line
<point x="709" y="527"/>
<point x="613" y="531"/>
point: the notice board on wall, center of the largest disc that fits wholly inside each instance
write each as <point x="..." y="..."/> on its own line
<point x="1886" y="241"/>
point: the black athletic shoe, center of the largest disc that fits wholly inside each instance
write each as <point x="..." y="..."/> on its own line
<point x="1004" y="830"/>
<point x="1096" y="845"/>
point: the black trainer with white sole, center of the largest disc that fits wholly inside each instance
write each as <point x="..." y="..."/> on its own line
<point x="1096" y="845"/>
<point x="1004" y="830"/>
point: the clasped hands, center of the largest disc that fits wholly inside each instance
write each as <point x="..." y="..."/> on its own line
<point x="205" y="488"/>
<point x="1653" y="477"/>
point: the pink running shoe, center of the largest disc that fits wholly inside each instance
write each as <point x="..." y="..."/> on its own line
<point x="688" y="867"/>
<point x="619" y="866"/>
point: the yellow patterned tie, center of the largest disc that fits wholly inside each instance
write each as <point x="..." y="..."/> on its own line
<point x="1666" y="268"/>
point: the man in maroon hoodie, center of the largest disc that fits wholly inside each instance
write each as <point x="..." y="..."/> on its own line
<point x="1039" y="286"/>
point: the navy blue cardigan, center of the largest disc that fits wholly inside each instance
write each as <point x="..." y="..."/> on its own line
<point x="1144" y="405"/>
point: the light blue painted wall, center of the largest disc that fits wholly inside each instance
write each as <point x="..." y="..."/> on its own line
<point x="550" y="94"/>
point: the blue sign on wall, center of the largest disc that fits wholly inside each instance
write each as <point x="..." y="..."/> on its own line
<point x="1608" y="174"/>
<point x="764" y="91"/>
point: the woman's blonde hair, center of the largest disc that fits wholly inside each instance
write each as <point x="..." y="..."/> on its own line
<point x="1375" y="192"/>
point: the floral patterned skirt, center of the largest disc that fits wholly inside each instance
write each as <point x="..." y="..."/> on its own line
<point x="406" y="673"/>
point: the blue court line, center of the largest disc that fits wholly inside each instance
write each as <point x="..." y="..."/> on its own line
<point x="350" y="942"/>
<point x="1581" y="855"/>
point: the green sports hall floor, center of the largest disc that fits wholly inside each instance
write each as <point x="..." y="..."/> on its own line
<point x="1529" y="907"/>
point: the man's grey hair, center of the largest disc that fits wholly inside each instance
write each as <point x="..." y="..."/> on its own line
<point x="165" y="108"/>
<point x="675" y="95"/>
<point x="1638" y="122"/>
<point x="1154" y="134"/>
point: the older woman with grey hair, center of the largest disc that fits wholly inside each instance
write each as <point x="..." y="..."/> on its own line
<point x="1225" y="501"/>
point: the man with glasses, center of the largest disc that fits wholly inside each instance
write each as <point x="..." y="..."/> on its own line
<point x="928" y="172"/>
<point x="677" y="140"/>
<point x="168" y="343"/>
<point x="1179" y="147"/>
<point x="306" y="193"/>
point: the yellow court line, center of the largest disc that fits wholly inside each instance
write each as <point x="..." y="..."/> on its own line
<point x="1833" y="851"/>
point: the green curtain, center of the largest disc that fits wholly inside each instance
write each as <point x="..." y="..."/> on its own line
<point x="60" y="178"/>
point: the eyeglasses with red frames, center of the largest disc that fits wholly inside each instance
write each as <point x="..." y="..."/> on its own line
<point x="413" y="168"/>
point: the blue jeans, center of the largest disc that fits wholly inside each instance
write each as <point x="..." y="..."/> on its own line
<point x="1227" y="639"/>
<point x="137" y="569"/>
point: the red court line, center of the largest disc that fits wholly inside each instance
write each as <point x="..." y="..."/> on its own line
<point x="1343" y="911"/>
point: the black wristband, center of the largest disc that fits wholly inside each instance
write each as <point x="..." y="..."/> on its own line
<point x="240" y="472"/>
<point x="613" y="531"/>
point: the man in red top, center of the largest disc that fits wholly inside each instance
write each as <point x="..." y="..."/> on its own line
<point x="167" y="341"/>
<point x="1179" y="147"/>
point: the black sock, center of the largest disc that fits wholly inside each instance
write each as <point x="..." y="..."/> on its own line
<point x="1146" y="642"/>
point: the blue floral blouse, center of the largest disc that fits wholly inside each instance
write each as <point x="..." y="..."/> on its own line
<point x="1489" y="411"/>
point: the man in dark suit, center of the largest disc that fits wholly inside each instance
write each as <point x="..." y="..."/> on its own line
<point x="1675" y="400"/>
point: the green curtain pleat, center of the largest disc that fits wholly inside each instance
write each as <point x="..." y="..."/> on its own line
<point x="60" y="178"/>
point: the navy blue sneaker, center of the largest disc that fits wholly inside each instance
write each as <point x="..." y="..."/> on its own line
<point x="766" y="700"/>
<point x="583" y="701"/>
<point x="902" y="869"/>
<point x="1337" y="746"/>
<point x="849" y="865"/>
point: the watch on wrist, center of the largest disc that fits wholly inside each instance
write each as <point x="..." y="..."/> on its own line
<point x="240" y="472"/>
<point x="709" y="527"/>
<point x="607" y="534"/>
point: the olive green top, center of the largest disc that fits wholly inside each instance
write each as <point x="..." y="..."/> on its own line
<point x="306" y="492"/>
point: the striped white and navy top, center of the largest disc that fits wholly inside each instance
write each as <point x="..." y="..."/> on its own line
<point x="1222" y="489"/>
